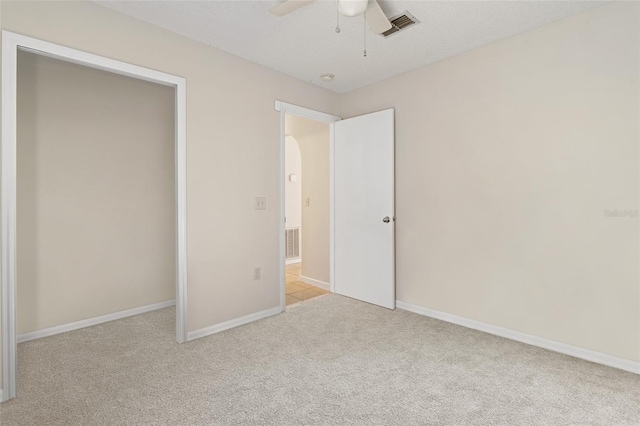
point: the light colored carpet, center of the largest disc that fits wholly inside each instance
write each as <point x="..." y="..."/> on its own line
<point x="328" y="361"/>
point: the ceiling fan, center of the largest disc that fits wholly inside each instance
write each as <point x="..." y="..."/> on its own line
<point x="377" y="20"/>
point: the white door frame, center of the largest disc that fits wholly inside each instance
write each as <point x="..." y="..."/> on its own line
<point x="11" y="43"/>
<point x="311" y="114"/>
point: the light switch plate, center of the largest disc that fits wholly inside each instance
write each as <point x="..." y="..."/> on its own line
<point x="261" y="203"/>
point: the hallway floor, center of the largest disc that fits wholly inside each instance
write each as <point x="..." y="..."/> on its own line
<point x="297" y="290"/>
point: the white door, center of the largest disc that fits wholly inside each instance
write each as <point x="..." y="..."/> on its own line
<point x="364" y="259"/>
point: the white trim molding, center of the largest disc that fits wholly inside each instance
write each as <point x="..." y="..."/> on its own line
<point x="11" y="44"/>
<point x="52" y="331"/>
<point x="293" y="261"/>
<point x="529" y="339"/>
<point x="284" y="109"/>
<point x="9" y="129"/>
<point x="332" y="209"/>
<point x="223" y="326"/>
<point x="1" y="398"/>
<point x="305" y="112"/>
<point x="316" y="283"/>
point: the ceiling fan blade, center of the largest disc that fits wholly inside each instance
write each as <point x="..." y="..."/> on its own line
<point x="377" y="20"/>
<point x="288" y="6"/>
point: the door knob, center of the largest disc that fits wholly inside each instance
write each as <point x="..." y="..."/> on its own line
<point x="386" y="219"/>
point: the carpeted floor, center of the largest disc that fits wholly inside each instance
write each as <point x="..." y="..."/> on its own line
<point x="331" y="360"/>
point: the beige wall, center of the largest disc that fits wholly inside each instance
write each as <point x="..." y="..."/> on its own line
<point x="292" y="188"/>
<point x="507" y="157"/>
<point x="313" y="139"/>
<point x="0" y="231"/>
<point x="232" y="142"/>
<point x="96" y="199"/>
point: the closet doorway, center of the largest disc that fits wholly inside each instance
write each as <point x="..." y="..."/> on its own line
<point x="12" y="45"/>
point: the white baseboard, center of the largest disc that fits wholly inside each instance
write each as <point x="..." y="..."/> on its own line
<point x="217" y="328"/>
<point x="1" y="396"/>
<point x="563" y="348"/>
<point x="316" y="283"/>
<point x="92" y="321"/>
<point x="293" y="261"/>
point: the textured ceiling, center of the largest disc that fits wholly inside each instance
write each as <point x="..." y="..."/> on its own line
<point x="304" y="44"/>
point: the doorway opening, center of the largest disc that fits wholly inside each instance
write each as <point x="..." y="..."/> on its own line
<point x="314" y="129"/>
<point x="96" y="229"/>
<point x="54" y="188"/>
<point x="307" y="183"/>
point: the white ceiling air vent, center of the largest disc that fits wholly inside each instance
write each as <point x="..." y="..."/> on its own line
<point x="399" y="23"/>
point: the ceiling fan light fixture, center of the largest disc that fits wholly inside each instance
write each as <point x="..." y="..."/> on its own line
<point x="327" y="77"/>
<point x="353" y="7"/>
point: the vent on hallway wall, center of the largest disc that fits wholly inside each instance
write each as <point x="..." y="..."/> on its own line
<point x="292" y="238"/>
<point x="400" y="23"/>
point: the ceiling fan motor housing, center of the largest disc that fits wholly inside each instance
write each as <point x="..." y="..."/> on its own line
<point x="352" y="7"/>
